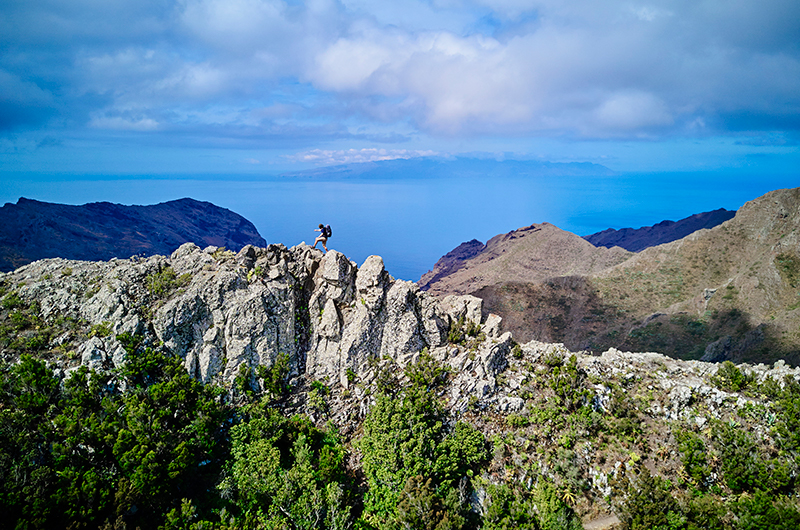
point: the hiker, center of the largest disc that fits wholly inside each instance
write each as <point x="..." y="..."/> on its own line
<point x="323" y="237"/>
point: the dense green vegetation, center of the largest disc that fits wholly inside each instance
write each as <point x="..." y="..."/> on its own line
<point x="147" y="446"/>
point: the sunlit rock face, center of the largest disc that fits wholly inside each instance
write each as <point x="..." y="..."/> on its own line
<point x="220" y="311"/>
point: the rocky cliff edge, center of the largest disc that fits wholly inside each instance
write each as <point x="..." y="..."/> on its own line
<point x="222" y="311"/>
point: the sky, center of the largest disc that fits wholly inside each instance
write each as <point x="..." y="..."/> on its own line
<point x="94" y="93"/>
<point x="249" y="86"/>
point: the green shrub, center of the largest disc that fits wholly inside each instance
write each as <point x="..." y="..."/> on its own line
<point x="101" y="330"/>
<point x="13" y="301"/>
<point x="648" y="505"/>
<point x="287" y="473"/>
<point x="730" y="378"/>
<point x="161" y="283"/>
<point x="566" y="380"/>
<point x="276" y="377"/>
<point x="693" y="455"/>
<point x="426" y="372"/>
<point x="763" y="511"/>
<point x="317" y="397"/>
<point x="405" y="436"/>
<point x="455" y="334"/>
<point x="747" y="468"/>
<point x="511" y="508"/>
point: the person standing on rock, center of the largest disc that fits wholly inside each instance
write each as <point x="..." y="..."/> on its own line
<point x="325" y="233"/>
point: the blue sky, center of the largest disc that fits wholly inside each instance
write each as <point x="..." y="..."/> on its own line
<point x="266" y="86"/>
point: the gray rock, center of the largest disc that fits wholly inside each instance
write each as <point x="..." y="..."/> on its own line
<point x="321" y="310"/>
<point x="718" y="350"/>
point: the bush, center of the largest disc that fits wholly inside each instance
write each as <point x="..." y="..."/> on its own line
<point x="510" y="508"/>
<point x="286" y="472"/>
<point x="763" y="511"/>
<point x="566" y="380"/>
<point x="730" y="378"/>
<point x="648" y="505"/>
<point x="161" y="283"/>
<point x="13" y="301"/>
<point x="101" y="330"/>
<point x="426" y="372"/>
<point x="405" y="436"/>
<point x="276" y="377"/>
<point x="745" y="467"/>
<point x="693" y="456"/>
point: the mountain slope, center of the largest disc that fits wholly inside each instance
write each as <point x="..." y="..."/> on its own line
<point x="636" y="239"/>
<point x="532" y="253"/>
<point x="32" y="230"/>
<point x="730" y="292"/>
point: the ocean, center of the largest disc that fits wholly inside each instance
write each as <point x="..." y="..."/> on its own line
<point x="414" y="217"/>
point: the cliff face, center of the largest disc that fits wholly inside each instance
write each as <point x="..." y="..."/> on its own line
<point x="31" y="230"/>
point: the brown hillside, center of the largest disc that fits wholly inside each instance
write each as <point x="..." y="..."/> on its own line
<point x="729" y="292"/>
<point x="533" y="253"/>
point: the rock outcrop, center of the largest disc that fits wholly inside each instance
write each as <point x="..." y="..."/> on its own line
<point x="220" y="311"/>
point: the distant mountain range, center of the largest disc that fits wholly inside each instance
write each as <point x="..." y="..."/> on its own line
<point x="636" y="239"/>
<point x="32" y="230"/>
<point x="730" y="291"/>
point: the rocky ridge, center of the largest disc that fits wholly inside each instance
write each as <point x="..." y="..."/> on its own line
<point x="728" y="292"/>
<point x="219" y="310"/>
<point x="333" y="319"/>
<point x="637" y="239"/>
<point x="532" y="253"/>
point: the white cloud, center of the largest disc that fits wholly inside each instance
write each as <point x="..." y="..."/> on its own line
<point x="118" y="123"/>
<point x="632" y="111"/>
<point x="444" y="67"/>
<point x="349" y="156"/>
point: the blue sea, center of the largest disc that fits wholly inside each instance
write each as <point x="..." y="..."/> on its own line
<point x="412" y="213"/>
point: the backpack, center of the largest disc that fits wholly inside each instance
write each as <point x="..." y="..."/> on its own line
<point x="327" y="231"/>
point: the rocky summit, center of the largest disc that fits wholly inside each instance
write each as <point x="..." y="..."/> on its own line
<point x="220" y="311"/>
<point x="31" y="230"/>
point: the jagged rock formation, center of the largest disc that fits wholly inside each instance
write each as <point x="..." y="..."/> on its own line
<point x="220" y="311"/>
<point x="32" y="230"/>
<point x="730" y="292"/>
<point x="637" y="239"/>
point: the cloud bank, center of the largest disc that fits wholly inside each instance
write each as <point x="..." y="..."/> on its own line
<point x="383" y="71"/>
